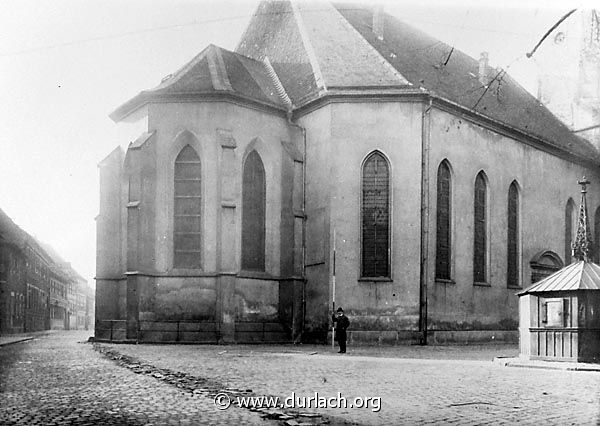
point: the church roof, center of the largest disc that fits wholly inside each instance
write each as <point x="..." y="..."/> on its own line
<point x="294" y="53"/>
<point x="318" y="48"/>
<point x="214" y="71"/>
<point x="579" y="275"/>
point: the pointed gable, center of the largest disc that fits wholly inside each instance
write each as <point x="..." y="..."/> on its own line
<point x="313" y="49"/>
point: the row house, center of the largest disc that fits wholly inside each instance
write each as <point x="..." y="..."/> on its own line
<point x="38" y="290"/>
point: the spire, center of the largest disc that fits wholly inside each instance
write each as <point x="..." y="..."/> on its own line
<point x="583" y="239"/>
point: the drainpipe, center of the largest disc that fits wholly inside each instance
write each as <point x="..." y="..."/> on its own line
<point x="303" y="130"/>
<point x="424" y="261"/>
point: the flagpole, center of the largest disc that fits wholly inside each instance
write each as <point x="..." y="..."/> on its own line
<point x="333" y="294"/>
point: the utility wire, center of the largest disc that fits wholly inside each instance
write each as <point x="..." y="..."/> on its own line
<point x="120" y="35"/>
<point x="208" y="21"/>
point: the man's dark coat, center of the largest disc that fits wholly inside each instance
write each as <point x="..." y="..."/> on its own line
<point x="340" y="329"/>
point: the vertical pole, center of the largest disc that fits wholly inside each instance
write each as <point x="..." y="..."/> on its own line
<point x="333" y="292"/>
<point x="424" y="261"/>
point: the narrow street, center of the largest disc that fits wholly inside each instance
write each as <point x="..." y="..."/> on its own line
<point x="58" y="378"/>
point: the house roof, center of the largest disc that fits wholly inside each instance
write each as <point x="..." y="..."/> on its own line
<point x="579" y="275"/>
<point x="10" y="231"/>
<point x="214" y="71"/>
<point x="318" y="48"/>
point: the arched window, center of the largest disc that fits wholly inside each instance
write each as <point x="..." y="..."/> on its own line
<point x="253" y="213"/>
<point x="480" y="236"/>
<point x="375" y="217"/>
<point x="569" y="229"/>
<point x="443" y="216"/>
<point x="187" y="226"/>
<point x="597" y="236"/>
<point x="512" y="237"/>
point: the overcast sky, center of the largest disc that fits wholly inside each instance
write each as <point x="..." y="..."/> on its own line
<point x="66" y="64"/>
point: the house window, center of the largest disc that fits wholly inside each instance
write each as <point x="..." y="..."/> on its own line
<point x="443" y="239"/>
<point x="569" y="227"/>
<point x="512" y="237"/>
<point x="375" y="217"/>
<point x="480" y="230"/>
<point x="187" y="226"/>
<point x="253" y="213"/>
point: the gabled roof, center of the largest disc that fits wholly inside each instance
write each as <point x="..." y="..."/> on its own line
<point x="452" y="74"/>
<point x="580" y="275"/>
<point x="214" y="71"/>
<point x="318" y="48"/>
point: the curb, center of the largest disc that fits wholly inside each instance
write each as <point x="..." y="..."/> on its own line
<point x="25" y="339"/>
<point x="545" y="365"/>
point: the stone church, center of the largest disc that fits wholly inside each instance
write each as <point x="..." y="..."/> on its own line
<point x="337" y="155"/>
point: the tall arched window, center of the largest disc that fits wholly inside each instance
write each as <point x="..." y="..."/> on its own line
<point x="597" y="236"/>
<point x="512" y="237"/>
<point x="187" y="226"/>
<point x="253" y="213"/>
<point x="443" y="216"/>
<point x="375" y="217"/>
<point x="480" y="236"/>
<point x="569" y="229"/>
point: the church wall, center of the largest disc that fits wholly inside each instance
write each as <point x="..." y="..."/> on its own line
<point x="545" y="184"/>
<point x="318" y="194"/>
<point x="357" y="129"/>
<point x="173" y="304"/>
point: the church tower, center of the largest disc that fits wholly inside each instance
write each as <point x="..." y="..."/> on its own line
<point x="569" y="73"/>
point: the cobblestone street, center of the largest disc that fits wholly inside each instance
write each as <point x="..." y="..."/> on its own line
<point x="53" y="379"/>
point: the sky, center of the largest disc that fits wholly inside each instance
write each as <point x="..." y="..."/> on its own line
<point x="66" y="64"/>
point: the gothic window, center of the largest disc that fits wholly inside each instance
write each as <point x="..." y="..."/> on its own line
<point x="443" y="217"/>
<point x="480" y="236"/>
<point x="375" y="217"/>
<point x="253" y="213"/>
<point x="512" y="237"/>
<point x="187" y="226"/>
<point x="569" y="229"/>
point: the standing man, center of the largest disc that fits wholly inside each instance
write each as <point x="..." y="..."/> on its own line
<point x="340" y="329"/>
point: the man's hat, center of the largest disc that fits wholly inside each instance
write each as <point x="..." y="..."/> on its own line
<point x="340" y="310"/>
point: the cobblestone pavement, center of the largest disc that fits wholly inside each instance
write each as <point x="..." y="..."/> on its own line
<point x="55" y="380"/>
<point x="412" y="391"/>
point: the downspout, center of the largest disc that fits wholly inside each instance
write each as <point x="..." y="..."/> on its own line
<point x="303" y="130"/>
<point x="424" y="261"/>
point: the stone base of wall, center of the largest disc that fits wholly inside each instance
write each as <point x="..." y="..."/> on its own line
<point x="465" y="337"/>
<point x="192" y="332"/>
<point x="370" y="338"/>
<point x="434" y="337"/>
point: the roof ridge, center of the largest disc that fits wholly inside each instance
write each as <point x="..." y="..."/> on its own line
<point x="308" y="47"/>
<point x="216" y="67"/>
<point x="278" y="86"/>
